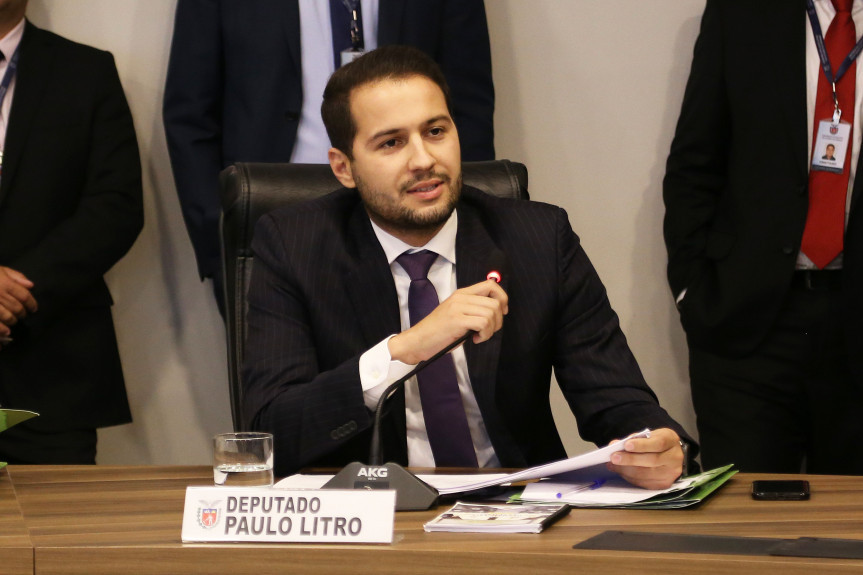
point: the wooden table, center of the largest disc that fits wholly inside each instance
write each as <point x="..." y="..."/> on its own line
<point x="16" y="551"/>
<point x="115" y="519"/>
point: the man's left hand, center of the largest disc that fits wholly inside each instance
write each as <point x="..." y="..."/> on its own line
<point x="653" y="462"/>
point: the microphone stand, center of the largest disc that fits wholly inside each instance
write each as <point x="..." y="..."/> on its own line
<point x="412" y="494"/>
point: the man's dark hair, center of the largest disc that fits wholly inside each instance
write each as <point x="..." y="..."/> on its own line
<point x="385" y="63"/>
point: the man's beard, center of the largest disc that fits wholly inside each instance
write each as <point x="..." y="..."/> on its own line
<point x="389" y="213"/>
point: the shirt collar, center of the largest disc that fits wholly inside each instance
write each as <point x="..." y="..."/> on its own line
<point x="830" y="10"/>
<point x="443" y="243"/>
<point x="10" y="41"/>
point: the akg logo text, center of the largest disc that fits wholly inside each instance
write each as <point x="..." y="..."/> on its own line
<point x="372" y="472"/>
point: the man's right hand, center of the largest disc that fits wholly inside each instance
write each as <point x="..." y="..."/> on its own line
<point x="479" y="308"/>
<point x="16" y="301"/>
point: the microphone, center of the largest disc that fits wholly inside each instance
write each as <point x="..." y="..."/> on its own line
<point x="412" y="493"/>
<point x="375" y="450"/>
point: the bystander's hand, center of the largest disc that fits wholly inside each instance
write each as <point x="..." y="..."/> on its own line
<point x="479" y="308"/>
<point x="653" y="462"/>
<point x="16" y="301"/>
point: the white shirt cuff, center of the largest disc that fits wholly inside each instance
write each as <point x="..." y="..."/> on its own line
<point x="378" y="370"/>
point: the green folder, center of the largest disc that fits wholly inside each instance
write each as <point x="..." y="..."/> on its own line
<point x="10" y="417"/>
<point x="694" y="495"/>
<point x="707" y="483"/>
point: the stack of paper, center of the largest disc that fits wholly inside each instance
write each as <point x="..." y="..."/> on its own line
<point x="555" y="468"/>
<point x="596" y="487"/>
<point x="581" y="481"/>
<point x="454" y="484"/>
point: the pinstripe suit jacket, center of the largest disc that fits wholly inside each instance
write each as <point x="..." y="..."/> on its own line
<point x="322" y="293"/>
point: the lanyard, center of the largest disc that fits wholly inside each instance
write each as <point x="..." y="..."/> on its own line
<point x="353" y="6"/>
<point x="10" y="73"/>
<point x="4" y="87"/>
<point x="825" y="60"/>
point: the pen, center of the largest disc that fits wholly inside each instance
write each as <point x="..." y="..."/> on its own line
<point x="588" y="487"/>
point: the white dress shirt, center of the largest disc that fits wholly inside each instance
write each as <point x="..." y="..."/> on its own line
<point x="378" y="369"/>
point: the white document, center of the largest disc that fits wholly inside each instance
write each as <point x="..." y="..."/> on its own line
<point x="599" y="487"/>
<point x="303" y="481"/>
<point x="589" y="459"/>
<point x="438" y="481"/>
<point x="450" y="484"/>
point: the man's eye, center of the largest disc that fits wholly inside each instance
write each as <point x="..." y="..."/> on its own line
<point x="436" y="131"/>
<point x="389" y="143"/>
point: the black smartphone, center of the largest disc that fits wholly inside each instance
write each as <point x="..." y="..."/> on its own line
<point x="780" y="490"/>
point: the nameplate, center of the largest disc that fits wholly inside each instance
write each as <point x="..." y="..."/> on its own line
<point x="214" y="514"/>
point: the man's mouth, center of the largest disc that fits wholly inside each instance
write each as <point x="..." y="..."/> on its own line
<point x="424" y="188"/>
<point x="428" y="189"/>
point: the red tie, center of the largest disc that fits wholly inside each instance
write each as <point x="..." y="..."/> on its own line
<point x="825" y="221"/>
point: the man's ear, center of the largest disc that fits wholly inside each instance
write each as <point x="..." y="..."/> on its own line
<point x="341" y="167"/>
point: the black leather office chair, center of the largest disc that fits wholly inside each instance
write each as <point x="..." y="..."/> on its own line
<point x="250" y="190"/>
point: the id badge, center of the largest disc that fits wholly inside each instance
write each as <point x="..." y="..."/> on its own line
<point x="349" y="56"/>
<point x="831" y="144"/>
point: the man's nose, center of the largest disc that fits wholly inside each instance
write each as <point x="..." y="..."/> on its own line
<point x="420" y="158"/>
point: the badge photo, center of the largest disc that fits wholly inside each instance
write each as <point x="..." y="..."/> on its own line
<point x="831" y="143"/>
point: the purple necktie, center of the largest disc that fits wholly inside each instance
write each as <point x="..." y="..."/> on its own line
<point x="443" y="411"/>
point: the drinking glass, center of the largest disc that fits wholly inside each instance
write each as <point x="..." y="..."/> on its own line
<point x="243" y="459"/>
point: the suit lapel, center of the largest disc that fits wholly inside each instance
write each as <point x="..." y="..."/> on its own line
<point x="476" y="255"/>
<point x="372" y="291"/>
<point x="858" y="184"/>
<point x="291" y="22"/>
<point x="786" y="61"/>
<point x="389" y="21"/>
<point x="369" y="282"/>
<point x="34" y="72"/>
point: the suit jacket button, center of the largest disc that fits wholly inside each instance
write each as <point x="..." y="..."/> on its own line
<point x="802" y="189"/>
<point x="292" y="116"/>
<point x="787" y="250"/>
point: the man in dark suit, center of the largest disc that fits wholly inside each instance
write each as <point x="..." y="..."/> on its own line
<point x="235" y="90"/>
<point x="70" y="207"/>
<point x="775" y="339"/>
<point x="330" y="299"/>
